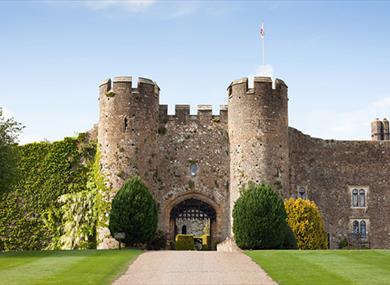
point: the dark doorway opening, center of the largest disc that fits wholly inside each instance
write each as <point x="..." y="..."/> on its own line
<point x="194" y="217"/>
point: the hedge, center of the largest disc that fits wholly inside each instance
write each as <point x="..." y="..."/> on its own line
<point x="206" y="242"/>
<point x="45" y="172"/>
<point x="185" y="242"/>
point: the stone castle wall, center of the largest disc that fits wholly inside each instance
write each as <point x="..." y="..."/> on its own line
<point x="200" y="140"/>
<point x="327" y="169"/>
<point x="249" y="141"/>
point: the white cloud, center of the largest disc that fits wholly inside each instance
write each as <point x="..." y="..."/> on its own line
<point x="181" y="9"/>
<point x="266" y="70"/>
<point x="132" y="5"/>
<point x="382" y="104"/>
<point x="30" y="138"/>
<point x="349" y="124"/>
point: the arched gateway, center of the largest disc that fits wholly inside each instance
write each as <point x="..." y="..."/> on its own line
<point x="192" y="216"/>
<point x="194" y="165"/>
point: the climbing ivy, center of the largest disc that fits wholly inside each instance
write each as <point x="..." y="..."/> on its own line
<point x="49" y="175"/>
<point x="77" y="221"/>
<point x="75" y="217"/>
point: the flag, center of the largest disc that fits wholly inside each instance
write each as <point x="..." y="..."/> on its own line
<point x="262" y="31"/>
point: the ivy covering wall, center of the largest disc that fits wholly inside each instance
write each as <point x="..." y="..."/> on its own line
<point x="54" y="202"/>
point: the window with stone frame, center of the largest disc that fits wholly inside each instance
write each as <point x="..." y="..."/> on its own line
<point x="358" y="196"/>
<point x="359" y="229"/>
<point x="302" y="193"/>
<point x="362" y="198"/>
<point x="355" y="227"/>
<point x="355" y="199"/>
<point x="194" y="169"/>
<point x="363" y="230"/>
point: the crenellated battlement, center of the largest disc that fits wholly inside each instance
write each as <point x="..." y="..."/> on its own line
<point x="204" y="114"/>
<point x="380" y="130"/>
<point x="126" y="82"/>
<point x="261" y="85"/>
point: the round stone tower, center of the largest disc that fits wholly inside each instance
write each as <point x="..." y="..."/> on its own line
<point x="127" y="132"/>
<point x="258" y="135"/>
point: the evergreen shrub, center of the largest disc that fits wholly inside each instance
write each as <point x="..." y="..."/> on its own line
<point x="290" y="242"/>
<point x="158" y="242"/>
<point x="133" y="212"/>
<point x="259" y="218"/>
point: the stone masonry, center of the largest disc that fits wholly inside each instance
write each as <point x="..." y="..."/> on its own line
<point x="210" y="158"/>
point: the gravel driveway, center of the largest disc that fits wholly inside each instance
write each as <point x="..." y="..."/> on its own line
<point x="194" y="267"/>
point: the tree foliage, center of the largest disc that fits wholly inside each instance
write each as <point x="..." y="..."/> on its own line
<point x="9" y="131"/>
<point x="306" y="222"/>
<point x="259" y="218"/>
<point x="133" y="212"/>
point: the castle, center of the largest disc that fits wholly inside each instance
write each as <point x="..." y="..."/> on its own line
<point x="195" y="165"/>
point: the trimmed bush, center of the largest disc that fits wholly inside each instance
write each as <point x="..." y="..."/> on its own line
<point x="133" y="212"/>
<point x="206" y="242"/>
<point x="185" y="242"/>
<point x="259" y="218"/>
<point x="158" y="242"/>
<point x="290" y="241"/>
<point x="343" y="243"/>
<point x="305" y="220"/>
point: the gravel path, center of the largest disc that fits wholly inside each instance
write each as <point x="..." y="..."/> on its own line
<point x="195" y="268"/>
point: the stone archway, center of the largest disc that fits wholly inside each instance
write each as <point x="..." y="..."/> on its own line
<point x="192" y="213"/>
<point x="193" y="216"/>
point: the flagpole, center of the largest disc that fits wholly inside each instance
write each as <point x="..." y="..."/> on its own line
<point x="263" y="51"/>
<point x="262" y="33"/>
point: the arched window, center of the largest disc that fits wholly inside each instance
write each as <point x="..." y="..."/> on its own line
<point x="355" y="229"/>
<point x="355" y="198"/>
<point x="125" y="124"/>
<point x="194" y="169"/>
<point x="184" y="229"/>
<point x="363" y="230"/>
<point x="302" y="192"/>
<point x="362" y="198"/>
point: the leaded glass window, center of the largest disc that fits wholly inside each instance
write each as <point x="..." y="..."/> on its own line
<point x="363" y="230"/>
<point x="194" y="169"/>
<point x="355" y="198"/>
<point x="355" y="228"/>
<point x="302" y="192"/>
<point x="362" y="198"/>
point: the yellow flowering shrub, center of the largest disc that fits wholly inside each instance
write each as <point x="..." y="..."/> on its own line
<point x="306" y="222"/>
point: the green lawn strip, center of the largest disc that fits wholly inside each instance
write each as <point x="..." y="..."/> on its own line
<point x="32" y="272"/>
<point x="321" y="267"/>
<point x="15" y="259"/>
<point x="101" y="268"/>
<point x="358" y="266"/>
<point x="64" y="267"/>
<point x="286" y="268"/>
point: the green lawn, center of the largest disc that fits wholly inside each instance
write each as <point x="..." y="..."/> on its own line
<point x="288" y="267"/>
<point x="64" y="267"/>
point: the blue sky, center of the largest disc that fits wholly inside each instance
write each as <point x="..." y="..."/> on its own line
<point x="334" y="56"/>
